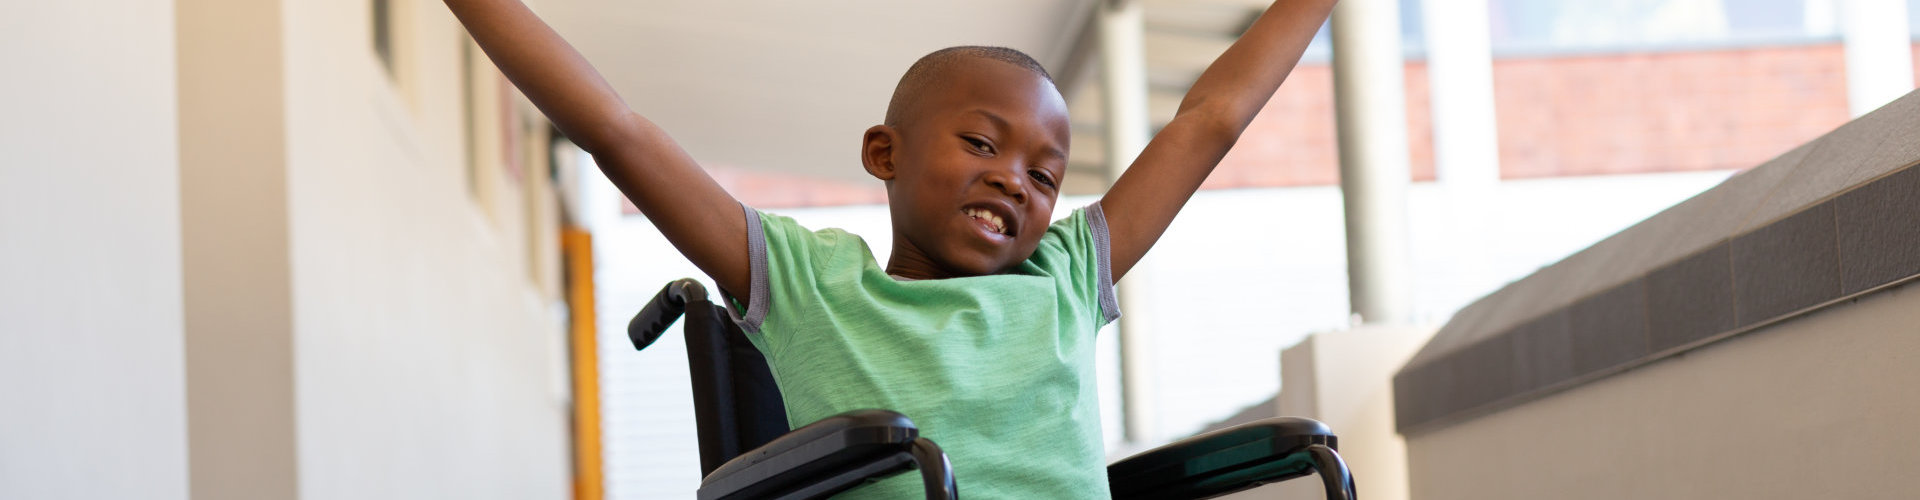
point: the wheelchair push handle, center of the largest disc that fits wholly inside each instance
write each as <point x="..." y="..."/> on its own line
<point x="665" y="308"/>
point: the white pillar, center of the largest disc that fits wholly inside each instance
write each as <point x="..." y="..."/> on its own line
<point x="1371" y="113"/>
<point x="1879" y="52"/>
<point x="1466" y="150"/>
<point x="1466" y="138"/>
<point x="1124" y="89"/>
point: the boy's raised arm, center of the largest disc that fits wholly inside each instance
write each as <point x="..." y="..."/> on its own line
<point x="1144" y="200"/>
<point x="701" y="219"/>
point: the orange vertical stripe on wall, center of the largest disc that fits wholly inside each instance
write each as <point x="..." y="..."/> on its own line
<point x="577" y="244"/>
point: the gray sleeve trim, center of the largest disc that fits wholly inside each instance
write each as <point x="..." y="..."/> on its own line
<point x="759" y="288"/>
<point x="1102" y="254"/>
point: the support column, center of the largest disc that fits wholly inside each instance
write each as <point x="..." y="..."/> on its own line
<point x="589" y="478"/>
<point x="1466" y="138"/>
<point x="1370" y="110"/>
<point x="1879" y="51"/>
<point x="236" y="250"/>
<point x="1124" y="89"/>
<point x="1466" y="150"/>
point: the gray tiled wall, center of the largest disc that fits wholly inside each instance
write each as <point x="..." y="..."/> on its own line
<point x="1785" y="266"/>
<point x="1879" y="231"/>
<point x="1863" y="239"/>
<point x="1691" y="299"/>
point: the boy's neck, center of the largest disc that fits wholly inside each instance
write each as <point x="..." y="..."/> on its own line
<point x="910" y="263"/>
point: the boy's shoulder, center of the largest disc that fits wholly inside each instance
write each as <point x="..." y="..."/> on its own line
<point x="777" y="231"/>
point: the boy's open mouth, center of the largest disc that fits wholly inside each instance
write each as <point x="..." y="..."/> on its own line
<point x="992" y="222"/>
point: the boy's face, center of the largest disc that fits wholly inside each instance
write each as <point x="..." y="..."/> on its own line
<point x="975" y="171"/>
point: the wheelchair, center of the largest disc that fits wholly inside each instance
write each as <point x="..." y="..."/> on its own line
<point x="747" y="451"/>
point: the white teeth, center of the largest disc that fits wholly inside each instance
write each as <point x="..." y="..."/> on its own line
<point x="999" y="226"/>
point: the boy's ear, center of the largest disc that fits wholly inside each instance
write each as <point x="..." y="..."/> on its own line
<point x="876" y="151"/>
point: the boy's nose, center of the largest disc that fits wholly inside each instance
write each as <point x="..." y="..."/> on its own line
<point x="1010" y="183"/>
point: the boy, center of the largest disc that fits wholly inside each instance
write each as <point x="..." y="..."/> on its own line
<point x="981" y="324"/>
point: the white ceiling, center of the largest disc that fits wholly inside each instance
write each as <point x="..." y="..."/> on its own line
<point x="790" y="85"/>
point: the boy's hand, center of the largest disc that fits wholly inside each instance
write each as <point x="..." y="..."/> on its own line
<point x="704" y="222"/>
<point x="1144" y="200"/>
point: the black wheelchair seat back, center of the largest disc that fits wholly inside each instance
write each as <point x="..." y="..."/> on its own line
<point x="747" y="450"/>
<point x="734" y="396"/>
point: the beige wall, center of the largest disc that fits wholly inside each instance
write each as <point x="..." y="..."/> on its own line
<point x="237" y="260"/>
<point x="429" y="348"/>
<point x="91" y="384"/>
<point x="1821" y="406"/>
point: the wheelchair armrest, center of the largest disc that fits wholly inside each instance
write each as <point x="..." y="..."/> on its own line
<point x="1234" y="459"/>
<point x="832" y="455"/>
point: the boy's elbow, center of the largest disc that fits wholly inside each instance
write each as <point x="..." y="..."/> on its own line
<point x="604" y="135"/>
<point x="1215" y="120"/>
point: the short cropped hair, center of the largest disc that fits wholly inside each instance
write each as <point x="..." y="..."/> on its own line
<point x="926" y="71"/>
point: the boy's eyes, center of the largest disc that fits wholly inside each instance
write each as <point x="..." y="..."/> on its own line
<point x="978" y="144"/>
<point x="981" y="146"/>
<point x="1042" y="178"/>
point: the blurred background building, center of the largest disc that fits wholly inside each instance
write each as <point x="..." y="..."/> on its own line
<point x="273" y="250"/>
<point x="295" y="249"/>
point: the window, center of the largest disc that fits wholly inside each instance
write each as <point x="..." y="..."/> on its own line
<point x="470" y="132"/>
<point x="383" y="33"/>
<point x="1534" y="26"/>
<point x="1913" y="18"/>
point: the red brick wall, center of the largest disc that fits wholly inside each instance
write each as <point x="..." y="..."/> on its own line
<point x="1580" y="115"/>
<point x="1558" y="116"/>
<point x="1665" y="112"/>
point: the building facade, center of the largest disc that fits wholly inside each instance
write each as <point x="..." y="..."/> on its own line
<point x="274" y="250"/>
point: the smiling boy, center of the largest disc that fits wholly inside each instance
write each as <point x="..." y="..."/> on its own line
<point x="980" y="327"/>
<point x="973" y="152"/>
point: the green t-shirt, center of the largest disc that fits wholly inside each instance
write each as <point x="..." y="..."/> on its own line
<point x="998" y="370"/>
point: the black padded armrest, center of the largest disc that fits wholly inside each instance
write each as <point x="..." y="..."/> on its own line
<point x="1234" y="459"/>
<point x="829" y="456"/>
